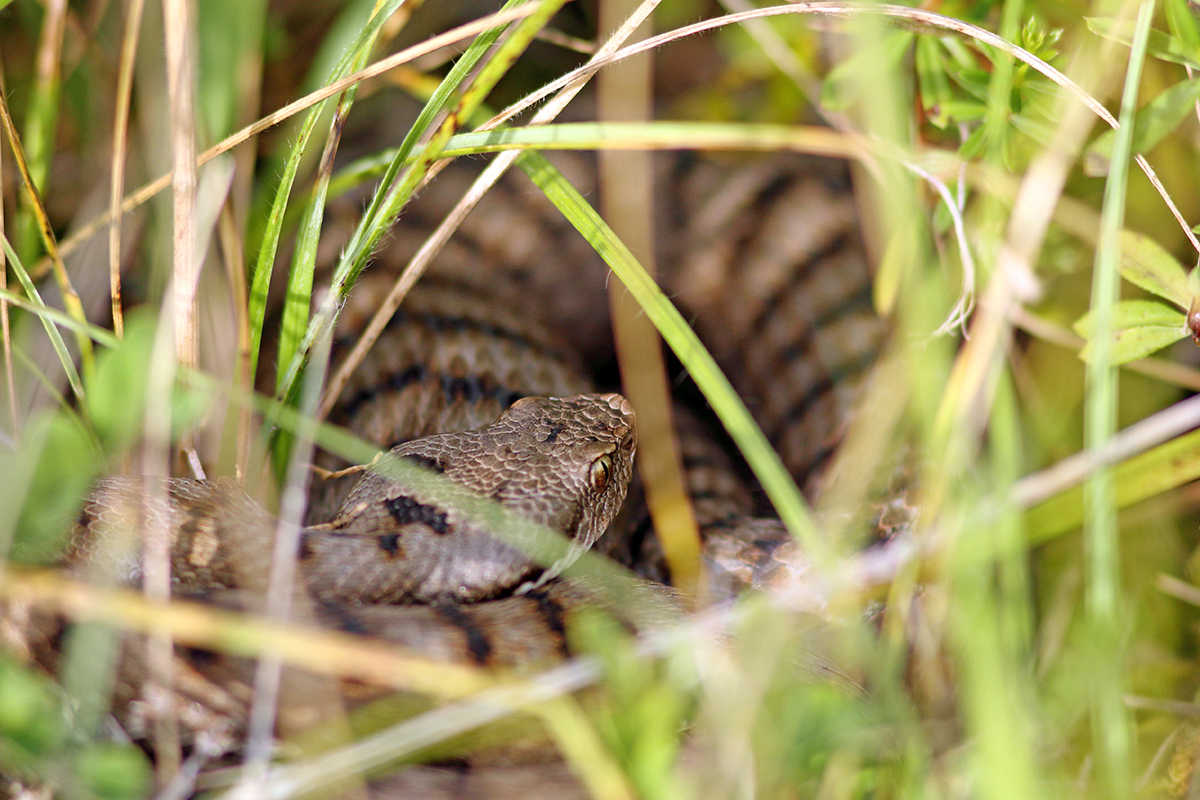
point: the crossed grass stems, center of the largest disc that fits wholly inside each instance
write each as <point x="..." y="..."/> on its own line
<point x="417" y="161"/>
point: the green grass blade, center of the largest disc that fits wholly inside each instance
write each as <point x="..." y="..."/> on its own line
<point x="374" y="227"/>
<point x="41" y="122"/>
<point x="270" y="240"/>
<point x="623" y="136"/>
<point x="298" y="298"/>
<point x="439" y="100"/>
<point x="42" y="311"/>
<point x="1110" y="721"/>
<point x="292" y="350"/>
<point x="1166" y="467"/>
<point x="101" y="336"/>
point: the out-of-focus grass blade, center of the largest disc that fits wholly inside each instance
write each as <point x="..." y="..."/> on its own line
<point x="1161" y="45"/>
<point x="1154" y="121"/>
<point x="41" y="122"/>
<point x="1166" y="467"/>
<point x="101" y="336"/>
<point x="630" y="136"/>
<point x="1111" y="725"/>
<point x="41" y="309"/>
<point x="230" y="39"/>
<point x="1183" y="27"/>
<point x="620" y="135"/>
<point x="374" y="226"/>
<point x="696" y="360"/>
<point x="661" y="136"/>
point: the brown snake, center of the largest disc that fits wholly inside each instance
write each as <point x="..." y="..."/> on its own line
<point x="560" y="462"/>
<point x="770" y="266"/>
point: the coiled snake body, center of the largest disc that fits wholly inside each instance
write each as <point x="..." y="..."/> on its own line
<point x="771" y="268"/>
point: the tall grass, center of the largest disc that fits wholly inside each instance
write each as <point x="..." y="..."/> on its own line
<point x="1030" y="633"/>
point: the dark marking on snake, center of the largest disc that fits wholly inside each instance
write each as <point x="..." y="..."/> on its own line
<point x="478" y="644"/>
<point x="453" y="388"/>
<point x="555" y="617"/>
<point x="470" y="390"/>
<point x="407" y="511"/>
<point x="800" y="348"/>
<point x="428" y="462"/>
<point x="838" y="374"/>
<point x="816" y="463"/>
<point x="390" y="544"/>
<point x="306" y="548"/>
<point x="804" y="272"/>
<point x="344" y="619"/>
<point x="555" y="430"/>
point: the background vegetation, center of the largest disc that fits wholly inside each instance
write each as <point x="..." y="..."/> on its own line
<point x="1035" y="636"/>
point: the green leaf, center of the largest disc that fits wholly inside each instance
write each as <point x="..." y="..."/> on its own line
<point x="116" y="396"/>
<point x="1131" y="344"/>
<point x="1134" y="313"/>
<point x="1153" y="122"/>
<point x="49" y="473"/>
<point x="932" y="81"/>
<point x="117" y="392"/>
<point x="1145" y="264"/>
<point x="1140" y="327"/>
<point x="31" y="724"/>
<point x="1161" y="46"/>
<point x="1183" y="27"/>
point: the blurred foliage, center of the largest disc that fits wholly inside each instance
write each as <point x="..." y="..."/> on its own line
<point x="976" y="676"/>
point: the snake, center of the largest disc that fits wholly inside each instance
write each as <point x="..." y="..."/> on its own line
<point x="560" y="462"/>
<point x="481" y="382"/>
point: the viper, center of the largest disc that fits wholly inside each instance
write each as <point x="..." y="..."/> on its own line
<point x="480" y="387"/>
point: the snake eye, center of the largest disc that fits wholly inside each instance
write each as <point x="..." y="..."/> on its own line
<point x="601" y="468"/>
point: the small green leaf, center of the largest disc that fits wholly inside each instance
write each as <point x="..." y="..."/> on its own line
<point x="54" y="465"/>
<point x="964" y="110"/>
<point x="1131" y="344"/>
<point x="1146" y="264"/>
<point x="1153" y="122"/>
<point x="117" y="392"/>
<point x="1140" y="327"/>
<point x="31" y="723"/>
<point x="1134" y="313"/>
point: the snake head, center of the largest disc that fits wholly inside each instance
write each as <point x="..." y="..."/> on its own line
<point x="567" y="461"/>
<point x="564" y="463"/>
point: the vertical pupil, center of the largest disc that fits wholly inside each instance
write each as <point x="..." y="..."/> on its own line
<point x="600" y="474"/>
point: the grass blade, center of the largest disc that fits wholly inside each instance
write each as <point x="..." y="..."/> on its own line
<point x="1110" y="722"/>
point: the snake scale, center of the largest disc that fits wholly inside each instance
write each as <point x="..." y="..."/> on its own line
<point x="768" y="263"/>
